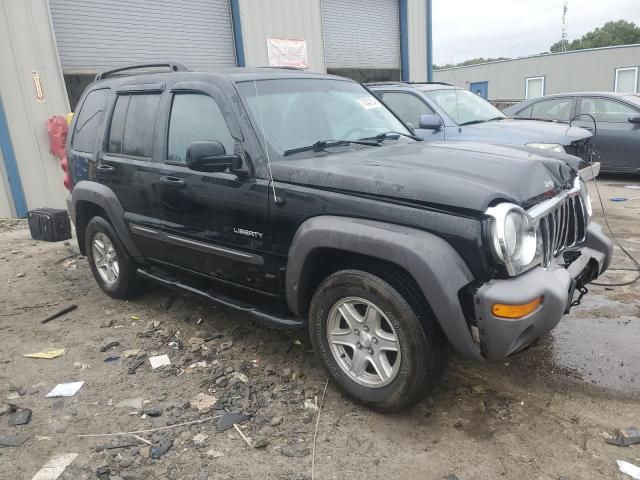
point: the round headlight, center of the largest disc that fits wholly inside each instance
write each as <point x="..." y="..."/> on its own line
<point x="513" y="232"/>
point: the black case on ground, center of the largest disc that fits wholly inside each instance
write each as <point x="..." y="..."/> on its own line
<point x="49" y="224"/>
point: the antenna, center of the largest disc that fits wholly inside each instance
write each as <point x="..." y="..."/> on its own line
<point x="563" y="43"/>
<point x="278" y="201"/>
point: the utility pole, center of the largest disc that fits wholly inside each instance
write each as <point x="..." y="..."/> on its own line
<point x="563" y="43"/>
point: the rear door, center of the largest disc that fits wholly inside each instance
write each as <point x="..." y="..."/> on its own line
<point x="126" y="163"/>
<point x="616" y="140"/>
<point x="409" y="107"/>
<point x="213" y="223"/>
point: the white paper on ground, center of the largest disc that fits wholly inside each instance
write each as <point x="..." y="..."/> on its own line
<point x="55" y="466"/>
<point x="629" y="468"/>
<point x="159" y="361"/>
<point x="65" y="389"/>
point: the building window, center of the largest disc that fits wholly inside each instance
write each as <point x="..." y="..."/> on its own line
<point x="627" y="80"/>
<point x="534" y="87"/>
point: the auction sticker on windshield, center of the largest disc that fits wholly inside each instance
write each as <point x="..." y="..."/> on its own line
<point x="369" y="102"/>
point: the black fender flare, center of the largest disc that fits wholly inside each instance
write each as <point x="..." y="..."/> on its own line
<point x="434" y="264"/>
<point x="104" y="197"/>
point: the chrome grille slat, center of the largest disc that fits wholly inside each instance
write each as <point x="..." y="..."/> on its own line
<point x="562" y="225"/>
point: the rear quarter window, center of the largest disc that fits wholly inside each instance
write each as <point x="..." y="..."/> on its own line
<point x="89" y="121"/>
<point x="133" y="124"/>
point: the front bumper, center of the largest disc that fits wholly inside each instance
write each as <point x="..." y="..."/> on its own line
<point x="500" y="337"/>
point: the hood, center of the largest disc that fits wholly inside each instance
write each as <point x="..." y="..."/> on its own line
<point x="463" y="175"/>
<point x="521" y="132"/>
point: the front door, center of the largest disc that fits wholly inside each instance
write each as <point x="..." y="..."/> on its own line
<point x="213" y="223"/>
<point x="480" y="88"/>
<point x="617" y="141"/>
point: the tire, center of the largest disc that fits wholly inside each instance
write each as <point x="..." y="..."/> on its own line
<point x="125" y="284"/>
<point x="421" y="349"/>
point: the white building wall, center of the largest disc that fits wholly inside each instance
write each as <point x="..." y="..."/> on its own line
<point x="293" y="19"/>
<point x="578" y="71"/>
<point x="27" y="45"/>
<point x="417" y="20"/>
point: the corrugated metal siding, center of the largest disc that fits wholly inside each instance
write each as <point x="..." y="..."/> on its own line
<point x="95" y="35"/>
<point x="361" y="33"/>
<point x="299" y="19"/>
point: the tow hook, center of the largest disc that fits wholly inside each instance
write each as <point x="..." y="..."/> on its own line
<point x="583" y="291"/>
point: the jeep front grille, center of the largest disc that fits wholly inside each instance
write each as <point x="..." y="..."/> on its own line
<point x="563" y="224"/>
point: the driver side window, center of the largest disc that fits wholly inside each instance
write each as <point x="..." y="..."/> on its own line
<point x="407" y="106"/>
<point x="195" y="117"/>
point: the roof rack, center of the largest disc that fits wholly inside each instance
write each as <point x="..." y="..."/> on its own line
<point x="172" y="66"/>
<point x="400" y="82"/>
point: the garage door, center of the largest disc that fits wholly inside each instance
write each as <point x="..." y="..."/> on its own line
<point x="95" y="35"/>
<point x="361" y="34"/>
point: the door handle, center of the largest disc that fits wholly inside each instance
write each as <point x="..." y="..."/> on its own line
<point x="174" y="182"/>
<point x="105" y="169"/>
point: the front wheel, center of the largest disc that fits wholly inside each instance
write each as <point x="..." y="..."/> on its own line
<point x="112" y="268"/>
<point x="375" y="344"/>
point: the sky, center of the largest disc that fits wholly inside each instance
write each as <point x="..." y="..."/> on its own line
<point x="465" y="29"/>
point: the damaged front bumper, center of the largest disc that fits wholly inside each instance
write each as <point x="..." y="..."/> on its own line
<point x="555" y="286"/>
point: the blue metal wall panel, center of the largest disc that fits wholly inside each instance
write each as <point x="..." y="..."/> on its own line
<point x="11" y="166"/>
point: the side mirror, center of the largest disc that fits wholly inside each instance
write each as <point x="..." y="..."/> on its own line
<point x="210" y="156"/>
<point x="635" y="119"/>
<point x="430" y="122"/>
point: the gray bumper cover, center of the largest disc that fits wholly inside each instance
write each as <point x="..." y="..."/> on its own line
<point x="499" y="336"/>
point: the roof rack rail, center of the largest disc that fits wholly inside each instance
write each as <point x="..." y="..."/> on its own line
<point x="172" y="66"/>
<point x="400" y="82"/>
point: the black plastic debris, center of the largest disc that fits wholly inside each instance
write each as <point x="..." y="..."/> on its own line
<point x="229" y="419"/>
<point x="164" y="444"/>
<point x="151" y="412"/>
<point x="109" y="346"/>
<point x="20" y="417"/>
<point x="111" y="359"/>
<point x="136" y="366"/>
<point x="115" y="446"/>
<point x="103" y="473"/>
<point x="12" y="440"/>
<point x="626" y="437"/>
<point x="59" y="313"/>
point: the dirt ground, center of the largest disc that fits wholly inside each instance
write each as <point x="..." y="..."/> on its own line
<point x="542" y="414"/>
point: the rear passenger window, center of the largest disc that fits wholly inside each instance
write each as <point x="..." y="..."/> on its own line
<point x="132" y="125"/>
<point x="89" y="121"/>
<point x="196" y="117"/>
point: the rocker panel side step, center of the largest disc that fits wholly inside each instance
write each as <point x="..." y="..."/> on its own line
<point x="263" y="316"/>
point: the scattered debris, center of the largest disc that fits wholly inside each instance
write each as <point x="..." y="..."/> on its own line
<point x="247" y="441"/>
<point x="81" y="366"/>
<point x="68" y="309"/>
<point x="12" y="440"/>
<point x="152" y="412"/>
<point x="164" y="444"/>
<point x="135" y="318"/>
<point x="261" y="443"/>
<point x="229" y="419"/>
<point x="239" y="377"/>
<point x="20" y="275"/>
<point x="311" y="404"/>
<point x="109" y="346"/>
<point x="203" y="403"/>
<point x="103" y="473"/>
<point x="6" y="408"/>
<point x="134" y="403"/>
<point x="65" y="389"/>
<point x="629" y="468"/>
<point x="159" y="361"/>
<point x="136" y="366"/>
<point x="214" y="454"/>
<point x="55" y="466"/>
<point x="115" y="446"/>
<point x="111" y="359"/>
<point x="275" y="421"/>
<point x="625" y="437"/>
<point x="48" y="355"/>
<point x="295" y="450"/>
<point x="200" y="439"/>
<point x="134" y="352"/>
<point x="148" y="430"/>
<point x="21" y="416"/>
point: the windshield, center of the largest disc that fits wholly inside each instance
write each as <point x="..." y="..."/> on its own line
<point x="463" y="106"/>
<point x="634" y="99"/>
<point x="300" y="112"/>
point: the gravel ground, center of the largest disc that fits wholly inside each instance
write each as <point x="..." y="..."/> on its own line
<point x="542" y="414"/>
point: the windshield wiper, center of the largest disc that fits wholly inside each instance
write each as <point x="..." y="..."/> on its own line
<point x="322" y="144"/>
<point x="473" y="122"/>
<point x="391" y="134"/>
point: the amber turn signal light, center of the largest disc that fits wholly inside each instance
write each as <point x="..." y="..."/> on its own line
<point x="515" y="311"/>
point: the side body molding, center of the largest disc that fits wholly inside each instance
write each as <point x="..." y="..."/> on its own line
<point x="104" y="197"/>
<point x="436" y="267"/>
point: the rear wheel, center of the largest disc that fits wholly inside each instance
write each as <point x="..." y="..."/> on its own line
<point x="112" y="268"/>
<point x="377" y="345"/>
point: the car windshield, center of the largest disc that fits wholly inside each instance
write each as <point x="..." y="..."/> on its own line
<point x="298" y="113"/>
<point x="464" y="107"/>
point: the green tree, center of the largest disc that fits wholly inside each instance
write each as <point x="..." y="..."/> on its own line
<point x="610" y="34"/>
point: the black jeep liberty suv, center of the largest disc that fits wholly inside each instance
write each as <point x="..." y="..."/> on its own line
<point x="301" y="200"/>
